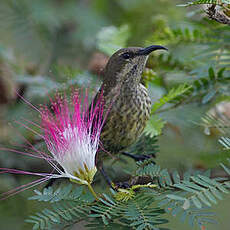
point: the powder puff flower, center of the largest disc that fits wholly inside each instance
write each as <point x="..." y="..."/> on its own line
<point x="71" y="132"/>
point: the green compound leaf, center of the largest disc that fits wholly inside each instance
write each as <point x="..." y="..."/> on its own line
<point x="172" y="94"/>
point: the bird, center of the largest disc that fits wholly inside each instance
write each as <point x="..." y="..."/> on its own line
<point x="127" y="101"/>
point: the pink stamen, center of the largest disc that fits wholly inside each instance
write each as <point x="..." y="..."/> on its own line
<point x="25" y="153"/>
<point x="81" y="119"/>
<point x="16" y="171"/>
<point x="23" y="188"/>
<point x="33" y="123"/>
<point x="27" y="127"/>
<point x="28" y="103"/>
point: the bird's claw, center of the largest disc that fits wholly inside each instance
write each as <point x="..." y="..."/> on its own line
<point x="137" y="157"/>
<point x="124" y="185"/>
<point x="141" y="157"/>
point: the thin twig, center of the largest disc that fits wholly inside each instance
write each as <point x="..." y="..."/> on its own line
<point x="217" y="14"/>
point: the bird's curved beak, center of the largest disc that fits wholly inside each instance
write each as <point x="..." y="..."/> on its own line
<point x="149" y="49"/>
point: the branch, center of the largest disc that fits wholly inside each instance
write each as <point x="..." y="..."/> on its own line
<point x="217" y="14"/>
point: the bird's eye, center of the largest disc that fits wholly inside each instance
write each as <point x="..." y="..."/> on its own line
<point x="126" y="55"/>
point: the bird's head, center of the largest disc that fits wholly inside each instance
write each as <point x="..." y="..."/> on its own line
<point x="127" y="64"/>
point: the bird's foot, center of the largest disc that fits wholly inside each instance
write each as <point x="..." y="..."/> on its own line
<point x="115" y="186"/>
<point x="137" y="157"/>
<point x="124" y="185"/>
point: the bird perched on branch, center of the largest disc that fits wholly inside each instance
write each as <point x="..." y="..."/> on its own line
<point x="126" y="99"/>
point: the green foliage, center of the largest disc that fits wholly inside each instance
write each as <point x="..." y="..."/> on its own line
<point x="60" y="214"/>
<point x="172" y="94"/>
<point x="110" y="39"/>
<point x="203" y="191"/>
<point x="185" y="35"/>
<point x="41" y="86"/>
<point x="227" y="170"/>
<point x="65" y="193"/>
<point x="67" y="206"/>
<point x="206" y="88"/>
<point x="160" y="176"/>
<point x="225" y="141"/>
<point x="210" y="121"/>
<point x="154" y="126"/>
<point x="138" y="213"/>
<point x="146" y="145"/>
<point x="187" y="198"/>
<point x="210" y="39"/>
<point x="68" y="209"/>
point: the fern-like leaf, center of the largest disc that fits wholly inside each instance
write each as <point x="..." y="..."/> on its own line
<point x="146" y="145"/>
<point x="62" y="193"/>
<point x="60" y="214"/>
<point x="138" y="213"/>
<point x="154" y="126"/>
<point x="173" y="93"/>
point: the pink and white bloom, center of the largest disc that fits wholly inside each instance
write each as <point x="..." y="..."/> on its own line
<point x="72" y="136"/>
<point x="71" y="132"/>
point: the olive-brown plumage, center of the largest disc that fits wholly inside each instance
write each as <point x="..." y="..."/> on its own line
<point x="125" y="98"/>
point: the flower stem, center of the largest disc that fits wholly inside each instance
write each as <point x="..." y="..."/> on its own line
<point x="92" y="191"/>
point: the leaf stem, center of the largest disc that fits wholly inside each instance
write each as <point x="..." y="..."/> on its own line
<point x="92" y="191"/>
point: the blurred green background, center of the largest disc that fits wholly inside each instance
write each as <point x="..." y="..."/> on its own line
<point x="51" y="45"/>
